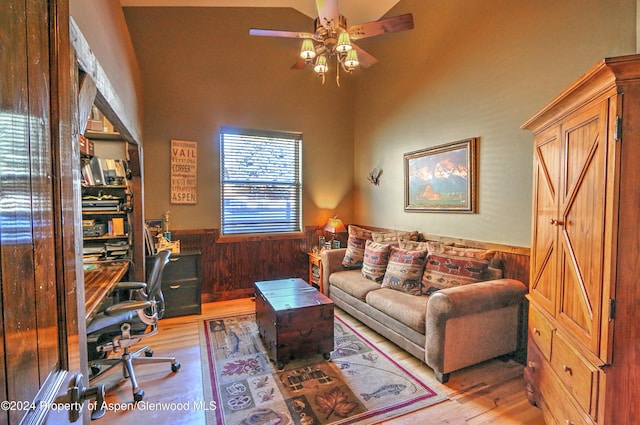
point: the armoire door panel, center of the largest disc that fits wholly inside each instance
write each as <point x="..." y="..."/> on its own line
<point x="583" y="216"/>
<point x="544" y="255"/>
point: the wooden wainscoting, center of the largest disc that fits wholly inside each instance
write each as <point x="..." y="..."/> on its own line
<point x="230" y="265"/>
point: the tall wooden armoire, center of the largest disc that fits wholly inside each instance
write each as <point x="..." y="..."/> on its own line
<point x="583" y="363"/>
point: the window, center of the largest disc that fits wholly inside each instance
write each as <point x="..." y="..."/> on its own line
<point x="261" y="181"/>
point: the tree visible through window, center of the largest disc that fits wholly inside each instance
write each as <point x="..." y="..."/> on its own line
<point x="261" y="181"/>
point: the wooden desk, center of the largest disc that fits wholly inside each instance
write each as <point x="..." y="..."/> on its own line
<point x="99" y="280"/>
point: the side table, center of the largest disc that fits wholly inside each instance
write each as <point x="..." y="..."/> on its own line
<point x="315" y="270"/>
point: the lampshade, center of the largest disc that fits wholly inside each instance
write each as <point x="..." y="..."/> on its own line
<point x="334" y="225"/>
<point x="351" y="62"/>
<point x="321" y="65"/>
<point x="307" y="51"/>
<point x="344" y="44"/>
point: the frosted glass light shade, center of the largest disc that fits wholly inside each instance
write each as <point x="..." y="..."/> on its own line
<point x="344" y="44"/>
<point x="307" y="51"/>
<point x="351" y="61"/>
<point x="321" y="65"/>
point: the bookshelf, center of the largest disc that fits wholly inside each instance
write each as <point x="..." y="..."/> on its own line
<point x="107" y="199"/>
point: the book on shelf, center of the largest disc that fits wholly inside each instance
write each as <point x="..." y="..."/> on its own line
<point x="116" y="245"/>
<point x="97" y="173"/>
<point x="93" y="249"/>
<point x="120" y="168"/>
<point x="116" y="226"/>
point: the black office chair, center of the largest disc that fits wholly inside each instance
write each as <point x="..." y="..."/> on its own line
<point x="125" y="323"/>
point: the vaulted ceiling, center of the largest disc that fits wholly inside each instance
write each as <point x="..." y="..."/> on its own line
<point x="356" y="11"/>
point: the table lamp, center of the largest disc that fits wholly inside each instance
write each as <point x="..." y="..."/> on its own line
<point x="334" y="225"/>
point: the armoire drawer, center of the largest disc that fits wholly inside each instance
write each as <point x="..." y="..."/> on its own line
<point x="560" y="407"/>
<point x="540" y="331"/>
<point x="578" y="375"/>
<point x="550" y="393"/>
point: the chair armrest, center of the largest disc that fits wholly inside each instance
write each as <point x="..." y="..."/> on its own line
<point x="124" y="286"/>
<point x="474" y="298"/>
<point x="331" y="262"/>
<point x="126" y="306"/>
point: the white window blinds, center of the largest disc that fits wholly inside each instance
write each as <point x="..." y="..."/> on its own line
<point x="261" y="181"/>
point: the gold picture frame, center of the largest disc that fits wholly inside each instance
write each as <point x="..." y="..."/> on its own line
<point x="442" y="178"/>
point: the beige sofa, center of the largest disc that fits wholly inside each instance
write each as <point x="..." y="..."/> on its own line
<point x="448" y="330"/>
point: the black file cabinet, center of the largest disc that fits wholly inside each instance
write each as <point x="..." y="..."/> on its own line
<point x="181" y="284"/>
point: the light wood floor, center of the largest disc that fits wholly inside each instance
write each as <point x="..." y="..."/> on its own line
<point x="489" y="393"/>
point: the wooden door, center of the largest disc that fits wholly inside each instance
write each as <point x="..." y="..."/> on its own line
<point x="543" y="259"/>
<point x="40" y="307"/>
<point x="581" y="219"/>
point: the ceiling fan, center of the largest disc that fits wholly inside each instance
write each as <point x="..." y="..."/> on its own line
<point x="333" y="39"/>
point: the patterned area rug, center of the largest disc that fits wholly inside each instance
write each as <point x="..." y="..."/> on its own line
<point x="359" y="385"/>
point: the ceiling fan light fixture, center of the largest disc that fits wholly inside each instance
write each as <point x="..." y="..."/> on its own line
<point x="351" y="61"/>
<point x="308" y="51"/>
<point x="344" y="44"/>
<point x="321" y="65"/>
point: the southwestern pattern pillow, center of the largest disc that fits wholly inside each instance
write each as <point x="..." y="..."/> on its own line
<point x="449" y="266"/>
<point x="376" y="257"/>
<point x="404" y="271"/>
<point x="354" y="254"/>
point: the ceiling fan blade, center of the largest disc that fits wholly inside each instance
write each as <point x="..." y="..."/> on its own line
<point x="280" y="33"/>
<point x="371" y="29"/>
<point x="365" y="58"/>
<point x="328" y="13"/>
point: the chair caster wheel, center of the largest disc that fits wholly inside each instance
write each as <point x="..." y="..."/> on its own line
<point x="326" y="356"/>
<point x="148" y="353"/>
<point x="95" y="370"/>
<point x="138" y="395"/>
<point x="175" y="366"/>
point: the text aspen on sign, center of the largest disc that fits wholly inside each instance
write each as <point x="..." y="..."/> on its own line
<point x="184" y="172"/>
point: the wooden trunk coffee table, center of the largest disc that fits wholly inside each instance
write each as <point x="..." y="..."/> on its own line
<point x="294" y="319"/>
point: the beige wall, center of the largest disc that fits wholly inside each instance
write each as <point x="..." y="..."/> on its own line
<point x="474" y="68"/>
<point x="202" y="70"/>
<point x="470" y="68"/>
<point x="103" y="26"/>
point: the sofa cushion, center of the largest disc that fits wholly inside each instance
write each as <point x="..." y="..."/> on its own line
<point x="354" y="254"/>
<point x="376" y="257"/>
<point x="353" y="283"/>
<point x="449" y="266"/>
<point x="394" y="237"/>
<point x="414" y="245"/>
<point x="405" y="308"/>
<point x="404" y="270"/>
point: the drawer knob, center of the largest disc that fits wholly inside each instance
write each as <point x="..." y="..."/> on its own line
<point x="532" y="365"/>
<point x="568" y="422"/>
<point x="555" y="222"/>
<point x="567" y="369"/>
<point x="536" y="331"/>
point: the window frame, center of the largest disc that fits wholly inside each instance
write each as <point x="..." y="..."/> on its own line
<point x="291" y="222"/>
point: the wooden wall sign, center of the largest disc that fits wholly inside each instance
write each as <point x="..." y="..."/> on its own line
<point x="184" y="172"/>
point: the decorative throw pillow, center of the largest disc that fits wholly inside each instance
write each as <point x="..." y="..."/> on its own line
<point x="355" y="247"/>
<point x="376" y="257"/>
<point x="394" y="237"/>
<point x="449" y="266"/>
<point x="404" y="271"/>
